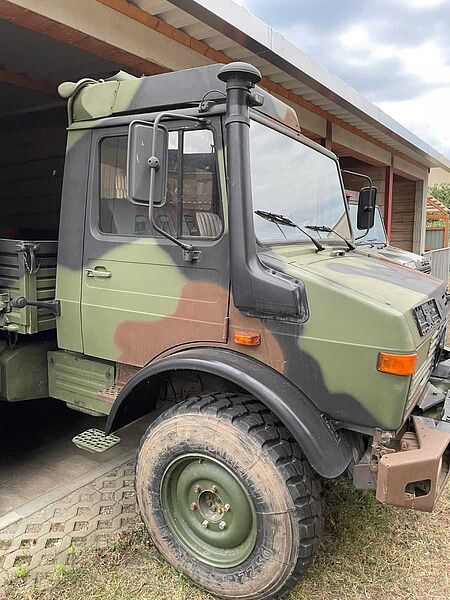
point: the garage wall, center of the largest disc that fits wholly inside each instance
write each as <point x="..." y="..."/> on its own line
<point x="377" y="174"/>
<point x="403" y="207"/>
<point x="32" y="149"/>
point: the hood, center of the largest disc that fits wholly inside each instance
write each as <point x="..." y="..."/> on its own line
<point x="393" y="254"/>
<point x="375" y="280"/>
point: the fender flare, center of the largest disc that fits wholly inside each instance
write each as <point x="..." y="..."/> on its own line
<point x="328" y="452"/>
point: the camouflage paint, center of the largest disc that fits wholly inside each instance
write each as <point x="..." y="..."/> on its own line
<point x="183" y="88"/>
<point x="70" y="246"/>
<point x="358" y="306"/>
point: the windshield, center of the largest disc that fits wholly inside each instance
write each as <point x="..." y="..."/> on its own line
<point x="292" y="179"/>
<point x="376" y="234"/>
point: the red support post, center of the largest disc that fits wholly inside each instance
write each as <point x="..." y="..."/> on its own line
<point x="328" y="142"/>
<point x="388" y="193"/>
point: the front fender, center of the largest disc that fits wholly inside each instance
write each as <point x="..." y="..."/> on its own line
<point x="328" y="452"/>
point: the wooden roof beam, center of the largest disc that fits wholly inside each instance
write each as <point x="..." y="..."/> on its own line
<point x="28" y="83"/>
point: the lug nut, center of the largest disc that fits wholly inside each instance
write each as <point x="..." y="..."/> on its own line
<point x="197" y="489"/>
<point x="222" y="525"/>
<point x="226" y="508"/>
<point x="205" y="524"/>
<point x="194" y="506"/>
<point x="214" y="489"/>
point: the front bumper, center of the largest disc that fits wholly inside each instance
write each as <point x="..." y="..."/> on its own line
<point x="415" y="475"/>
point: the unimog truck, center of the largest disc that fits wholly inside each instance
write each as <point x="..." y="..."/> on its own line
<point x="205" y="267"/>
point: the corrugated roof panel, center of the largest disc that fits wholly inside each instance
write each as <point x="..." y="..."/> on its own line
<point x="154" y="6"/>
<point x="290" y="84"/>
<point x="220" y="42"/>
<point x="239" y="53"/>
<point x="176" y="18"/>
<point x="199" y="31"/>
<point x="300" y="89"/>
<point x="281" y="77"/>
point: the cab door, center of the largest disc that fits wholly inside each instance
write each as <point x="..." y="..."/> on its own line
<point x="139" y="296"/>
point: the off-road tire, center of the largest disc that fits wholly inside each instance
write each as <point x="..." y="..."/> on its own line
<point x="241" y="434"/>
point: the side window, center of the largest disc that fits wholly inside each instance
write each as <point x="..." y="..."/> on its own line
<point x="116" y="214"/>
<point x="192" y="204"/>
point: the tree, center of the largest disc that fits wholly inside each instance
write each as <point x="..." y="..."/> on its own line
<point x="441" y="191"/>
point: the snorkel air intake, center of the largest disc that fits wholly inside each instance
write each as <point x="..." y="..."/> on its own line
<point x="257" y="290"/>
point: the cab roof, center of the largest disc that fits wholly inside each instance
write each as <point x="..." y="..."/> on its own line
<point x="90" y="99"/>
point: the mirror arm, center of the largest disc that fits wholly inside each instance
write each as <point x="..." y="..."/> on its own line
<point x="189" y="252"/>
<point x="362" y="236"/>
<point x="358" y="175"/>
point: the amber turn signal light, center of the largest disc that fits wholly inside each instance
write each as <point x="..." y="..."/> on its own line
<point x="397" y="364"/>
<point x="247" y="338"/>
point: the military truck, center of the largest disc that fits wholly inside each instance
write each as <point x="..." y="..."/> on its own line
<point x="196" y="273"/>
<point x="374" y="242"/>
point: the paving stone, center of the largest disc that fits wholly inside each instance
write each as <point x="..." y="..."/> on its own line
<point x="92" y="515"/>
<point x="32" y="528"/>
<point x="83" y="511"/>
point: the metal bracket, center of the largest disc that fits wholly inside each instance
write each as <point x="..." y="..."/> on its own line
<point x="5" y="301"/>
<point x="191" y="255"/>
<point x="52" y="305"/>
<point x="29" y="253"/>
<point x="446" y="409"/>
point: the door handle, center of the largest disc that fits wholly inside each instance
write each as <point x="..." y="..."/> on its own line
<point x="98" y="272"/>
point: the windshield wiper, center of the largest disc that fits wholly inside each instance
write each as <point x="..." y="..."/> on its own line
<point x="282" y="220"/>
<point x="326" y="229"/>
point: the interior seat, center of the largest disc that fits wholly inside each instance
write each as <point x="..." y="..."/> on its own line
<point x="209" y="224"/>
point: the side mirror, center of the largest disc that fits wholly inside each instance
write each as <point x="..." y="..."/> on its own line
<point x="366" y="208"/>
<point x="146" y="163"/>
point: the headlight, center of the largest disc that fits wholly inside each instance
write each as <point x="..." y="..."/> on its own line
<point x="410" y="264"/>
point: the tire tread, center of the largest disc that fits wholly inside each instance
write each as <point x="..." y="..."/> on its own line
<point x="252" y="418"/>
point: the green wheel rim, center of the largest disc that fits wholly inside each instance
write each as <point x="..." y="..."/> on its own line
<point x="208" y="510"/>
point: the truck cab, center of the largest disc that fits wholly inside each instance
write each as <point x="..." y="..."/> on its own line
<point x="198" y="270"/>
<point x="374" y="242"/>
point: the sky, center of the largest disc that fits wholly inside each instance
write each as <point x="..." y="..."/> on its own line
<point x="394" y="52"/>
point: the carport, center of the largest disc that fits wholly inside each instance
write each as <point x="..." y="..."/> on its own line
<point x="44" y="43"/>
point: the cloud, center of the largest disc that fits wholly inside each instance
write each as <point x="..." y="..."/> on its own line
<point x="427" y="116"/>
<point x="395" y="52"/>
<point x="421" y="4"/>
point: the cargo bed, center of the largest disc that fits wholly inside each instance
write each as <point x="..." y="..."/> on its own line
<point x="27" y="268"/>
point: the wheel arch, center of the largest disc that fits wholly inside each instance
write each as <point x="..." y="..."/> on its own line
<point x="328" y="452"/>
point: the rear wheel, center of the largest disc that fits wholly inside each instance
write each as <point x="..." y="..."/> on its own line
<point x="228" y="497"/>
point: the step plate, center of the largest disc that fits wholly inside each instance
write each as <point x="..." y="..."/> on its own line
<point x="95" y="440"/>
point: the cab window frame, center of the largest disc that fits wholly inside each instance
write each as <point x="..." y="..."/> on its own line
<point x="216" y="143"/>
<point x="272" y="123"/>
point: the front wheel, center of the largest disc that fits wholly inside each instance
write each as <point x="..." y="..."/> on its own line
<point x="228" y="497"/>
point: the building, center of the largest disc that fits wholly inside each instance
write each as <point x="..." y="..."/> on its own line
<point x="438" y="222"/>
<point x="45" y="42"/>
<point x="438" y="175"/>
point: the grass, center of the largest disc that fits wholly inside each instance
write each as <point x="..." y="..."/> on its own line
<point x="369" y="552"/>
